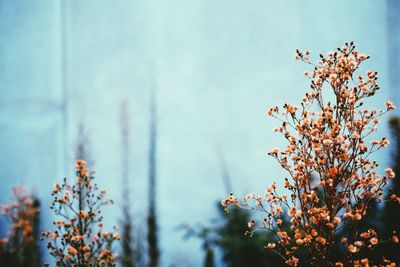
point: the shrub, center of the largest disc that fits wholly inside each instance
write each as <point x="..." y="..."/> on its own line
<point x="20" y="247"/>
<point x="331" y="177"/>
<point x="79" y="238"/>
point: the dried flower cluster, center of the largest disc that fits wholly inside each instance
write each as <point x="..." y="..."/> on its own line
<point x="21" y="213"/>
<point x="331" y="178"/>
<point x="79" y="238"/>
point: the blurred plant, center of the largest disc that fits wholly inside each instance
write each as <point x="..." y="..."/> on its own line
<point x="208" y="236"/>
<point x="79" y="238"/>
<point x="390" y="215"/>
<point x="152" y="227"/>
<point x="209" y="260"/>
<point x="131" y="241"/>
<point x="20" y="247"/>
<point x="330" y="146"/>
<point x="241" y="248"/>
<point x="229" y="235"/>
<point x="136" y="256"/>
<point x="82" y="149"/>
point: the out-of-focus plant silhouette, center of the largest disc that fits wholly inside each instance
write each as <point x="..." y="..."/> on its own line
<point x="391" y="208"/>
<point x="390" y="215"/>
<point x="228" y="234"/>
<point x="132" y="254"/>
<point x="152" y="225"/>
<point x="83" y="146"/>
<point x="20" y="247"/>
<point x="239" y="247"/>
<point x="210" y="258"/>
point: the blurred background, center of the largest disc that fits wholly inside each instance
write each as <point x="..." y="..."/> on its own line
<point x="115" y="81"/>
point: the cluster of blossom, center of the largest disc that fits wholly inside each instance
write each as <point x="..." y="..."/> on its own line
<point x="79" y="238"/>
<point x="21" y="213"/>
<point x="331" y="176"/>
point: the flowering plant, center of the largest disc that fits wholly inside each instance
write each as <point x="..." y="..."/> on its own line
<point x="79" y="238"/>
<point x="20" y="245"/>
<point x="331" y="178"/>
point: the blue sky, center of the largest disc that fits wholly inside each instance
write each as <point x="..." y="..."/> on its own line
<point x="216" y="66"/>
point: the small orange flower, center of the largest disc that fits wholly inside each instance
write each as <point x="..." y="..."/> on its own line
<point x="80" y="164"/>
<point x="72" y="250"/>
<point x="271" y="245"/>
<point x="374" y="241"/>
<point x="352" y="249"/>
